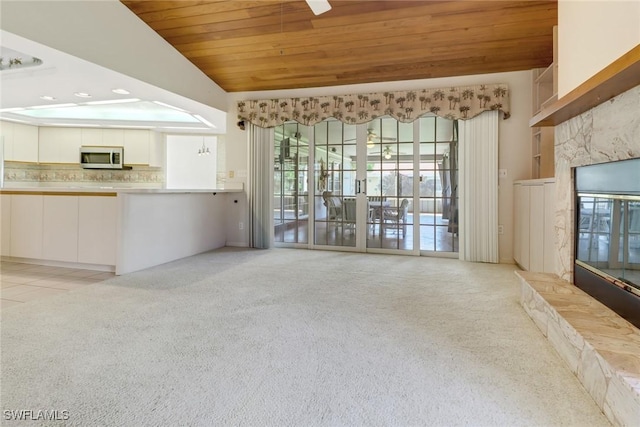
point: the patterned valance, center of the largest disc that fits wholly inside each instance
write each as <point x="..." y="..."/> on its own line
<point x="463" y="102"/>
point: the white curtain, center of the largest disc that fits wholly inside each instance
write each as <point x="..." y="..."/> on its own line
<point x="478" y="169"/>
<point x="260" y="194"/>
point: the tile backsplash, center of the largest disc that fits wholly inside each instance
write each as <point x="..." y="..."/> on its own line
<point x="18" y="174"/>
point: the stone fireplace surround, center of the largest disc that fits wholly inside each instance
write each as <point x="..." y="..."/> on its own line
<point x="599" y="347"/>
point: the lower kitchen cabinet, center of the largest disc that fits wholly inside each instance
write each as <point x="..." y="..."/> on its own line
<point x="97" y="230"/>
<point x="26" y="226"/>
<point x="60" y="228"/>
<point x="5" y="219"/>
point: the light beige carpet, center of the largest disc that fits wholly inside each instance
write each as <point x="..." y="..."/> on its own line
<point x="291" y="337"/>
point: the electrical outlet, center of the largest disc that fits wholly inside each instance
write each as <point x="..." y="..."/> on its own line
<point x="241" y="225"/>
<point x="500" y="229"/>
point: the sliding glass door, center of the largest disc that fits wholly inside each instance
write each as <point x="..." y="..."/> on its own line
<point x="291" y="184"/>
<point x="383" y="186"/>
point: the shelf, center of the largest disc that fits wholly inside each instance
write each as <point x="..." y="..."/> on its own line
<point x="618" y="77"/>
<point x="545" y="76"/>
<point x="549" y="101"/>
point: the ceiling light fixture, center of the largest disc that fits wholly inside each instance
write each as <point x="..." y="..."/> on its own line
<point x="82" y="95"/>
<point x="48" y="98"/>
<point x="120" y="91"/>
<point x="204" y="151"/>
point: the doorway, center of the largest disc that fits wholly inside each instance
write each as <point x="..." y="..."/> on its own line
<point x="384" y="186"/>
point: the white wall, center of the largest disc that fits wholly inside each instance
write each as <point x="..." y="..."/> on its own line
<point x="591" y="35"/>
<point x="107" y="33"/>
<point x="185" y="168"/>
<point x="514" y="152"/>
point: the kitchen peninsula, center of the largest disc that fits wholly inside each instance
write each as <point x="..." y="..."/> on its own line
<point x="111" y="229"/>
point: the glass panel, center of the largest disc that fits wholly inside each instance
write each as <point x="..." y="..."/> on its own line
<point x="291" y="179"/>
<point x="335" y="171"/>
<point x="438" y="185"/>
<point x="608" y="236"/>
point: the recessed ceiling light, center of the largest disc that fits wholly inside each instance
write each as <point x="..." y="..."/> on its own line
<point x="120" y="91"/>
<point x="48" y="98"/>
<point x="82" y="95"/>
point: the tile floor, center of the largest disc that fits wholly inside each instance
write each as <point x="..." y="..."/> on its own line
<point x="21" y="283"/>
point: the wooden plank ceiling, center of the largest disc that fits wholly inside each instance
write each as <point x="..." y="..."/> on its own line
<point x="281" y="44"/>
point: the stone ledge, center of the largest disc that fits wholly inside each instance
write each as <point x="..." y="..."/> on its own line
<point x="601" y="348"/>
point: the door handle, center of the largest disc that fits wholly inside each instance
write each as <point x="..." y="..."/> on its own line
<point x="357" y="186"/>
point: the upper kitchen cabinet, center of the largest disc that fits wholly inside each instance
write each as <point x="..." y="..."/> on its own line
<point x="136" y="147"/>
<point x="20" y="142"/>
<point x="60" y="145"/>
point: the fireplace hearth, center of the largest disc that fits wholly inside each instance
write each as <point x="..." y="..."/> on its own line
<point x="607" y="235"/>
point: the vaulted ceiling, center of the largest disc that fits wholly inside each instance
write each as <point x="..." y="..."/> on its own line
<point x="281" y="44"/>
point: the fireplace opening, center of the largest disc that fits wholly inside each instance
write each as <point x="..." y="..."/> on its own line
<point x="607" y="235"/>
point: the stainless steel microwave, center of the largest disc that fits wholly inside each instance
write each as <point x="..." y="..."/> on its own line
<point x="94" y="157"/>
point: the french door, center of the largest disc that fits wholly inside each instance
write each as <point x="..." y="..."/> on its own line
<point x="383" y="186"/>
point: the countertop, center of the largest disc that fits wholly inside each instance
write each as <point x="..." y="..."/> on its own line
<point x="110" y="190"/>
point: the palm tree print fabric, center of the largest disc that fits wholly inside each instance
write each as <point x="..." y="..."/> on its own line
<point x="460" y="103"/>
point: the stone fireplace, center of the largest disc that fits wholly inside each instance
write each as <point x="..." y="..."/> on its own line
<point x="600" y="347"/>
<point x="606" y="133"/>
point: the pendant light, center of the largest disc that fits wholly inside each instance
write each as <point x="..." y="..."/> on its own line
<point x="204" y="150"/>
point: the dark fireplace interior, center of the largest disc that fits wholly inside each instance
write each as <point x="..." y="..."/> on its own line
<point x="607" y="264"/>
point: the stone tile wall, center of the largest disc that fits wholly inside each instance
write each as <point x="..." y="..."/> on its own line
<point x="608" y="132"/>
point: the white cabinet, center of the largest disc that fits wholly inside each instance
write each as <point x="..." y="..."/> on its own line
<point x="26" y="226"/>
<point x="57" y="227"/>
<point x="91" y="136"/>
<point x="136" y="142"/>
<point x="97" y="230"/>
<point x="20" y="142"/>
<point x="113" y="137"/>
<point x="136" y="147"/>
<point x="60" y="228"/>
<point x="5" y="230"/>
<point x="59" y="145"/>
<point x="534" y="226"/>
<point x="156" y="149"/>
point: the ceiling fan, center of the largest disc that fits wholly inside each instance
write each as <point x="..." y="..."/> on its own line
<point x="387" y="153"/>
<point x="373" y="138"/>
<point x="319" y="7"/>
